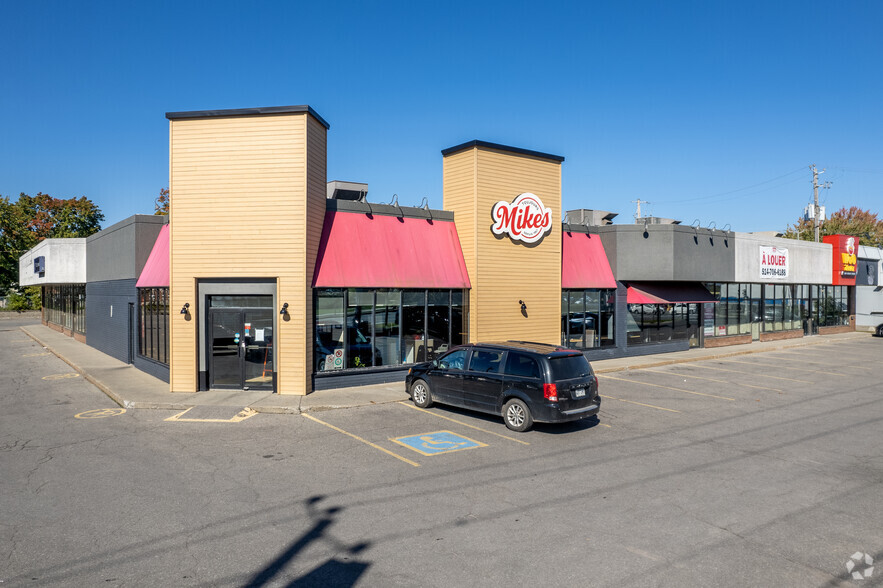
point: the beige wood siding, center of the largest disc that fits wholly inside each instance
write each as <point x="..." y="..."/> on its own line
<point x="502" y="271"/>
<point x="243" y="205"/>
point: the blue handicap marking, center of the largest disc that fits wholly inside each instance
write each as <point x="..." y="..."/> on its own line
<point x="437" y="442"/>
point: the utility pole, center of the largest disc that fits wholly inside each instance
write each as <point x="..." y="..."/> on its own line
<point x="815" y="197"/>
<point x="638" y="212"/>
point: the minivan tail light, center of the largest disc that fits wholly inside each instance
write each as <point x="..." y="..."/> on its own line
<point x="550" y="392"/>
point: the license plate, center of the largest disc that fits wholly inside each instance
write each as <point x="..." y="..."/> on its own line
<point x="579" y="392"/>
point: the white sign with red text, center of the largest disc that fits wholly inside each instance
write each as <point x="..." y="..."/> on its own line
<point x="524" y="219"/>
<point x="773" y="263"/>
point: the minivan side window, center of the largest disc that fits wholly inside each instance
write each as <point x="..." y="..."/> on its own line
<point x="453" y="361"/>
<point x="486" y="361"/>
<point x="519" y="364"/>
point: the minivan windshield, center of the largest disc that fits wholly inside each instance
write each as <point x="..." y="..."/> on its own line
<point x="569" y="367"/>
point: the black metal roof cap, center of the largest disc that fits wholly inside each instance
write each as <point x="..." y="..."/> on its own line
<point x="497" y="146"/>
<point x="237" y="112"/>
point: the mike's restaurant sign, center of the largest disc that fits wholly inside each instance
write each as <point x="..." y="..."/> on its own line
<point x="524" y="219"/>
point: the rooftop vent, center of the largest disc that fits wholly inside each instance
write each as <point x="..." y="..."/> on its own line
<point x="354" y="191"/>
<point x="590" y="218"/>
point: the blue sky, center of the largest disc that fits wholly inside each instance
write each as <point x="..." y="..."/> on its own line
<point x="708" y="110"/>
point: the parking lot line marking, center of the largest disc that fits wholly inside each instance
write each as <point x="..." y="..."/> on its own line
<point x="365" y="441"/>
<point x="605" y="425"/>
<point x="243" y="414"/>
<point x="36" y="354"/>
<point x="406" y="403"/>
<point x="66" y="376"/>
<point x="720" y="369"/>
<point x="784" y="367"/>
<point x="680" y="375"/>
<point x="639" y="403"/>
<point x="667" y="387"/>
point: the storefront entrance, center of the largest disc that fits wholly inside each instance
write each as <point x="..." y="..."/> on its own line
<point x="240" y="342"/>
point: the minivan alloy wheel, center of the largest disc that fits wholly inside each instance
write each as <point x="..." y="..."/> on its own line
<point x="517" y="415"/>
<point x="420" y="394"/>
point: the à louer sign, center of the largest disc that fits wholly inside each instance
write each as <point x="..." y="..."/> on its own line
<point x="524" y="219"/>
<point x="773" y="262"/>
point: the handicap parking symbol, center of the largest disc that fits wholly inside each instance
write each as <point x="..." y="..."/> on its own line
<point x="438" y="442"/>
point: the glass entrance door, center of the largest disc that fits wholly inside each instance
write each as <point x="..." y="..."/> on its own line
<point x="241" y="348"/>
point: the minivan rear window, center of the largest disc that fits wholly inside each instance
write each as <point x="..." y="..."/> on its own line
<point x="569" y="367"/>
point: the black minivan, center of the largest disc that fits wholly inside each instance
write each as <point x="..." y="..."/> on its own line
<point x="523" y="382"/>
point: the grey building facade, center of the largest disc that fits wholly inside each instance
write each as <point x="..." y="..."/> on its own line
<point x="116" y="256"/>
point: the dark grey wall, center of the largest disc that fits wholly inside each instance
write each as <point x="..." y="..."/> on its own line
<point x="120" y="251"/>
<point x="670" y="253"/>
<point x="108" y="331"/>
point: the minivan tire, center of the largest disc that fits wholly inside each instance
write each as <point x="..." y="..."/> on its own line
<point x="516" y="415"/>
<point x="421" y="395"/>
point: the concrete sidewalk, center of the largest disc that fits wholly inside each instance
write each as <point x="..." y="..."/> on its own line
<point x="132" y="388"/>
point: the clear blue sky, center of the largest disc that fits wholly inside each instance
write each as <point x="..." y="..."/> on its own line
<point x="708" y="110"/>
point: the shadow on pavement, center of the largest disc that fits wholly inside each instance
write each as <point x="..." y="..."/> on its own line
<point x="333" y="572"/>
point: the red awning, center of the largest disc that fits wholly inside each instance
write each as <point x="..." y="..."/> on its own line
<point x="667" y="293"/>
<point x="156" y="271"/>
<point x="377" y="251"/>
<point x="584" y="262"/>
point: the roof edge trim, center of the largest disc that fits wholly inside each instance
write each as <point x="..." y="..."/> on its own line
<point x="240" y="112"/>
<point x="498" y="147"/>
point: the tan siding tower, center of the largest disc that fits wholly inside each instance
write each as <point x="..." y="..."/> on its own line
<point x="504" y="270"/>
<point x="247" y="203"/>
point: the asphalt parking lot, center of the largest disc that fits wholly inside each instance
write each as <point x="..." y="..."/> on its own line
<point x="763" y="469"/>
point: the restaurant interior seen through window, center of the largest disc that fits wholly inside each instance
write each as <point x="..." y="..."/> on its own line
<point x="660" y="323"/>
<point x="587" y="318"/>
<point x="376" y="327"/>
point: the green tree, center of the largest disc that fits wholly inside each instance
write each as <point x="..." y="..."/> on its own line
<point x="162" y="202"/>
<point x="31" y="219"/>
<point x="852" y="221"/>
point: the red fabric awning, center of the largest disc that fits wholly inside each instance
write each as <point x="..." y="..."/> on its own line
<point x="376" y="251"/>
<point x="584" y="262"/>
<point x="667" y="293"/>
<point x="156" y="271"/>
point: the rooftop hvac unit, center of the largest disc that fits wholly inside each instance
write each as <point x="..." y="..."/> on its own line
<point x="354" y="191"/>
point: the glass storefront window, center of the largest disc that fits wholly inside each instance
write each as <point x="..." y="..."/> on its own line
<point x="65" y="306"/>
<point x="387" y="340"/>
<point x="438" y="311"/>
<point x="361" y="327"/>
<point x="328" y="310"/>
<point x="587" y="318"/>
<point x="459" y="329"/>
<point x="413" y="326"/>
<point x="153" y="324"/>
<point x="359" y="346"/>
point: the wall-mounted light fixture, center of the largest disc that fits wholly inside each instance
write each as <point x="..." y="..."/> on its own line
<point x="523" y="305"/>
<point x="284" y="310"/>
<point x="186" y="308"/>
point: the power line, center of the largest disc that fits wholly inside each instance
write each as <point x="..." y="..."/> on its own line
<point x="791" y="173"/>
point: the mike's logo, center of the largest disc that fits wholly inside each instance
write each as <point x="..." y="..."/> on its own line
<point x="525" y="219"/>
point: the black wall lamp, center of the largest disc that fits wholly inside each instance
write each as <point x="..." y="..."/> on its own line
<point x="523" y="305"/>
<point x="284" y="310"/>
<point x="186" y="308"/>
